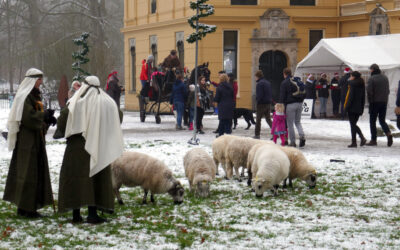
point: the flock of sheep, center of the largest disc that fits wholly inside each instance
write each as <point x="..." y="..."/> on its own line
<point x="267" y="164"/>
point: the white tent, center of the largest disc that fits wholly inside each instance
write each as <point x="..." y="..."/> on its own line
<point x="358" y="53"/>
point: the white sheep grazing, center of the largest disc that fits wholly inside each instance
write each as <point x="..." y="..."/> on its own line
<point x="250" y="158"/>
<point x="270" y="167"/>
<point x="136" y="169"/>
<point x="218" y="148"/>
<point x="200" y="171"/>
<point x="300" y="167"/>
<point x="236" y="152"/>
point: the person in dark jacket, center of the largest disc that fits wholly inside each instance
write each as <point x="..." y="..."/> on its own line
<point x="113" y="88"/>
<point x="343" y="84"/>
<point x="172" y="62"/>
<point x="311" y="92"/>
<point x="354" y="106"/>
<point x="398" y="106"/>
<point x="323" y="94"/>
<point x="202" y="103"/>
<point x="293" y="106"/>
<point x="28" y="182"/>
<point x="264" y="99"/>
<point x="224" y="98"/>
<point x="178" y="96"/>
<point x="234" y="83"/>
<point x="378" y="95"/>
<point x="335" y="94"/>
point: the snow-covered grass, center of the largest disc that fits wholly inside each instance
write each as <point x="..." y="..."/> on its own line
<point x="355" y="204"/>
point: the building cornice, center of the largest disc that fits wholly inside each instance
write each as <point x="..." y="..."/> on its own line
<point x="154" y="25"/>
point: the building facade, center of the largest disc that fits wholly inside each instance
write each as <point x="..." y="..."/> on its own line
<point x="251" y="35"/>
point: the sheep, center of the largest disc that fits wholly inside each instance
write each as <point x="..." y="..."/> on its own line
<point x="299" y="168"/>
<point x="218" y="148"/>
<point x="236" y="152"/>
<point x="271" y="167"/>
<point x="136" y="169"/>
<point x="250" y="159"/>
<point x="200" y="171"/>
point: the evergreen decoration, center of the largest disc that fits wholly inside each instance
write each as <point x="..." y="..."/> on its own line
<point x="80" y="57"/>
<point x="203" y="29"/>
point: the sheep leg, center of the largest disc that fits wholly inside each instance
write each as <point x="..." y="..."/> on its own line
<point x="237" y="173"/>
<point x="242" y="173"/>
<point x="250" y="176"/>
<point x="145" y="197"/>
<point x="290" y="183"/>
<point x="152" y="198"/>
<point x="284" y="183"/>
<point x="216" y="166"/>
<point x="276" y="190"/>
<point x="229" y="170"/>
<point x="118" y="195"/>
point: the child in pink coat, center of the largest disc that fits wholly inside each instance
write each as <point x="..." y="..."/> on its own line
<point x="279" y="124"/>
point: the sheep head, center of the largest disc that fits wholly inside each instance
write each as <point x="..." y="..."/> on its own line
<point x="311" y="179"/>
<point x="177" y="192"/>
<point x="203" y="189"/>
<point x="261" y="185"/>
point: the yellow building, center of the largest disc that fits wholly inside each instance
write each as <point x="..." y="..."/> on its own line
<point x="251" y="34"/>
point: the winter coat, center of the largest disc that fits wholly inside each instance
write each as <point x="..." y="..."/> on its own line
<point x="170" y="62"/>
<point x="378" y="88"/>
<point x="335" y="89"/>
<point x="76" y="188"/>
<point x="114" y="90"/>
<point x="235" y="90"/>
<point x="323" y="88"/>
<point x="146" y="71"/>
<point x="311" y="92"/>
<point x="203" y="101"/>
<point x="224" y="98"/>
<point x="343" y="84"/>
<point x="190" y="100"/>
<point x="179" y="92"/>
<point x="286" y="92"/>
<point x="278" y="124"/>
<point x="355" y="98"/>
<point x="28" y="182"/>
<point x="263" y="91"/>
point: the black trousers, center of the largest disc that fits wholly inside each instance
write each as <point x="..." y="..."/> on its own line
<point x="353" y="119"/>
<point x="199" y="118"/>
<point x="377" y="109"/>
<point x="398" y="121"/>
<point x="263" y="110"/>
<point x="225" y="126"/>
<point x="335" y="101"/>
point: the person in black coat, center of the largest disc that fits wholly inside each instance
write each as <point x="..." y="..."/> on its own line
<point x="225" y="100"/>
<point x="264" y="100"/>
<point x="323" y="94"/>
<point x="311" y="92"/>
<point x="113" y="88"/>
<point x="335" y="94"/>
<point x="343" y="84"/>
<point x="354" y="106"/>
<point x="398" y="105"/>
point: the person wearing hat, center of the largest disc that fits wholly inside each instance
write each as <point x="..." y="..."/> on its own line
<point x="113" y="88"/>
<point x="378" y="95"/>
<point x="311" y="92"/>
<point x="335" y="94"/>
<point x="343" y="85"/>
<point x="171" y="62"/>
<point x="323" y="94"/>
<point x="28" y="181"/>
<point x="91" y="125"/>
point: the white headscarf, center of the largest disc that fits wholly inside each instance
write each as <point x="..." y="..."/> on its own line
<point x="96" y="116"/>
<point x="14" y="119"/>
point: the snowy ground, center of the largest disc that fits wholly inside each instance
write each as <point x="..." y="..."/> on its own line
<point x="355" y="205"/>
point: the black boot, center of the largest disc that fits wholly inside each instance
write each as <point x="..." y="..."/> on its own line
<point x="389" y="139"/>
<point x="363" y="140"/>
<point x="93" y="218"/>
<point x="353" y="144"/>
<point x="76" y="216"/>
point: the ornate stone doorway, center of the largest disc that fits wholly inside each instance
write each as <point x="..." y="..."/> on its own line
<point x="272" y="63"/>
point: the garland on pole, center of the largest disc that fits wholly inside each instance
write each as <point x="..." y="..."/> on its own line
<point x="80" y="56"/>
<point x="203" y="29"/>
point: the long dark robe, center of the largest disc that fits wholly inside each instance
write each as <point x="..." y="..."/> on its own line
<point x="28" y="182"/>
<point x="76" y="188"/>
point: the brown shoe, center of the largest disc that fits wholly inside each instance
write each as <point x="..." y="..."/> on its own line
<point x="353" y="144"/>
<point x="371" y="143"/>
<point x="390" y="139"/>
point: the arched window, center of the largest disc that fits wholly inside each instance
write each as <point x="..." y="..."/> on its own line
<point x="181" y="52"/>
<point x="153" y="6"/>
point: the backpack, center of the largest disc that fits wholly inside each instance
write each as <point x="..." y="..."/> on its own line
<point x="299" y="88"/>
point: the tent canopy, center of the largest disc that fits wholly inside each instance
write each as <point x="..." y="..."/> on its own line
<point x="358" y="53"/>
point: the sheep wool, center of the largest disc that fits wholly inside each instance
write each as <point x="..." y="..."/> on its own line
<point x="136" y="169"/>
<point x="200" y="171"/>
<point x="218" y="148"/>
<point x="270" y="167"/>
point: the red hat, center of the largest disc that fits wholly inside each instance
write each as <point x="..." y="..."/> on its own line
<point x="347" y="70"/>
<point x="336" y="74"/>
<point x="109" y="76"/>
